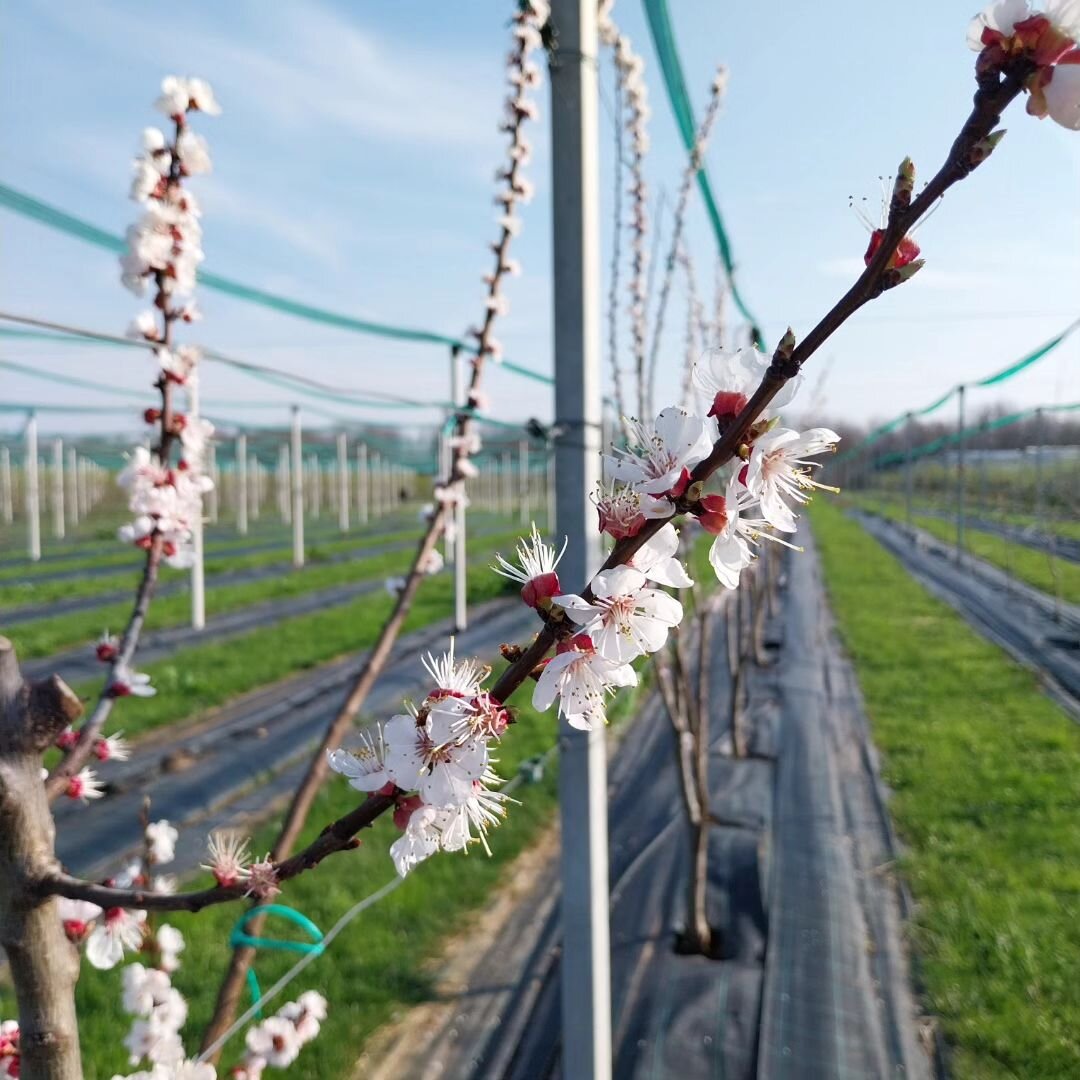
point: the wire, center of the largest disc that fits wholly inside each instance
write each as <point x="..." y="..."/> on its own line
<point x="29" y="207"/>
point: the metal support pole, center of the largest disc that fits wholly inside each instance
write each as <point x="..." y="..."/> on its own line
<point x="524" y="502"/>
<point x="376" y="487"/>
<point x="198" y="579"/>
<point x="240" y="496"/>
<point x="550" y="489"/>
<point x="585" y="963"/>
<point x="343" y="481"/>
<point x="1040" y="491"/>
<point x="461" y="583"/>
<point x="363" y="485"/>
<point x="33" y="503"/>
<point x="71" y="482"/>
<point x="909" y="465"/>
<point x="215" y="479"/>
<point x="284" y="494"/>
<point x="316" y="485"/>
<point x="254" y="487"/>
<point x="58" y="488"/>
<point x="960" y="474"/>
<point x="7" y="498"/>
<point x="296" y="478"/>
<point x="86" y="499"/>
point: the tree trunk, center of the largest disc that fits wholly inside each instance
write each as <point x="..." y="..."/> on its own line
<point x="44" y="964"/>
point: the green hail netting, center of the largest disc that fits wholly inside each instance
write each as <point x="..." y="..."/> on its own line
<point x="36" y="210"/>
<point x="659" y="21"/>
<point x="954" y="437"/>
<point x="1001" y="376"/>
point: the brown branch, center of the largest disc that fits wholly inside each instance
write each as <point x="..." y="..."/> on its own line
<point x="338" y="836"/>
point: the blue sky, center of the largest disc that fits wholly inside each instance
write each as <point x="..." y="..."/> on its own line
<point x="354" y="165"/>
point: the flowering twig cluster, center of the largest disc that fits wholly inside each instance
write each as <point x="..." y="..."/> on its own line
<point x="693" y="166"/>
<point x="634" y="98"/>
<point x="164" y="495"/>
<point x="763" y="472"/>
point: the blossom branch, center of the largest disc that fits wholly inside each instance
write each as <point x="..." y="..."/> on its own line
<point x="164" y="246"/>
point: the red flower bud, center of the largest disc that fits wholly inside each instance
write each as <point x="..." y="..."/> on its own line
<point x="106" y="652"/>
<point x="712" y="513"/>
<point x="906" y="251"/>
<point x="152" y="416"/>
<point x="541" y="588"/>
<point x="67" y="739"/>
<point x="405" y="809"/>
<point x="727" y="405"/>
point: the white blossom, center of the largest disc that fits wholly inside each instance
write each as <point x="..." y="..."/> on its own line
<point x="657" y="559"/>
<point x="228" y="856"/>
<point x="778" y="468"/>
<point x="661" y="455"/>
<point x="170" y="944"/>
<point x="727" y="380"/>
<point x="582" y="680"/>
<point x="429" y="755"/>
<point x="275" y="1040"/>
<point x="362" y="764"/>
<point x="161" y="840"/>
<point x="626" y="618"/>
<point x="419" y="840"/>
<point x="534" y="569"/>
<point x="120" y="929"/>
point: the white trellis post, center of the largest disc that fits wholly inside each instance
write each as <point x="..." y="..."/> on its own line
<point x="240" y="495"/>
<point x="215" y="478"/>
<point x="71" y="480"/>
<point x="525" y="503"/>
<point x="316" y="485"/>
<point x="254" y="487"/>
<point x="585" y="964"/>
<point x="198" y="573"/>
<point x="284" y="495"/>
<point x="296" y="476"/>
<point x="33" y="502"/>
<point x="461" y="581"/>
<point x="86" y="502"/>
<point x="343" y="481"/>
<point x="363" y="487"/>
<point x="56" y="488"/>
<point x="376" y="486"/>
<point x="7" y="496"/>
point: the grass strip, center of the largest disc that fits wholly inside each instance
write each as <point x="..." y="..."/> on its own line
<point x="48" y="635"/>
<point x="1052" y="575"/>
<point x="985" y="771"/>
<point x="202" y="677"/>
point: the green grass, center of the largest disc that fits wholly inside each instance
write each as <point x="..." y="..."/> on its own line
<point x="1036" y="568"/>
<point x="26" y="590"/>
<point x="986" y="778"/>
<point x="47" y="635"/>
<point x="380" y="964"/>
<point x="894" y="505"/>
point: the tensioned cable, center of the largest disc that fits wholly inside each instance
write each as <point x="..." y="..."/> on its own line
<point x="1001" y="376"/>
<point x="29" y="207"/>
<point x="954" y="437"/>
<point x="656" y="12"/>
